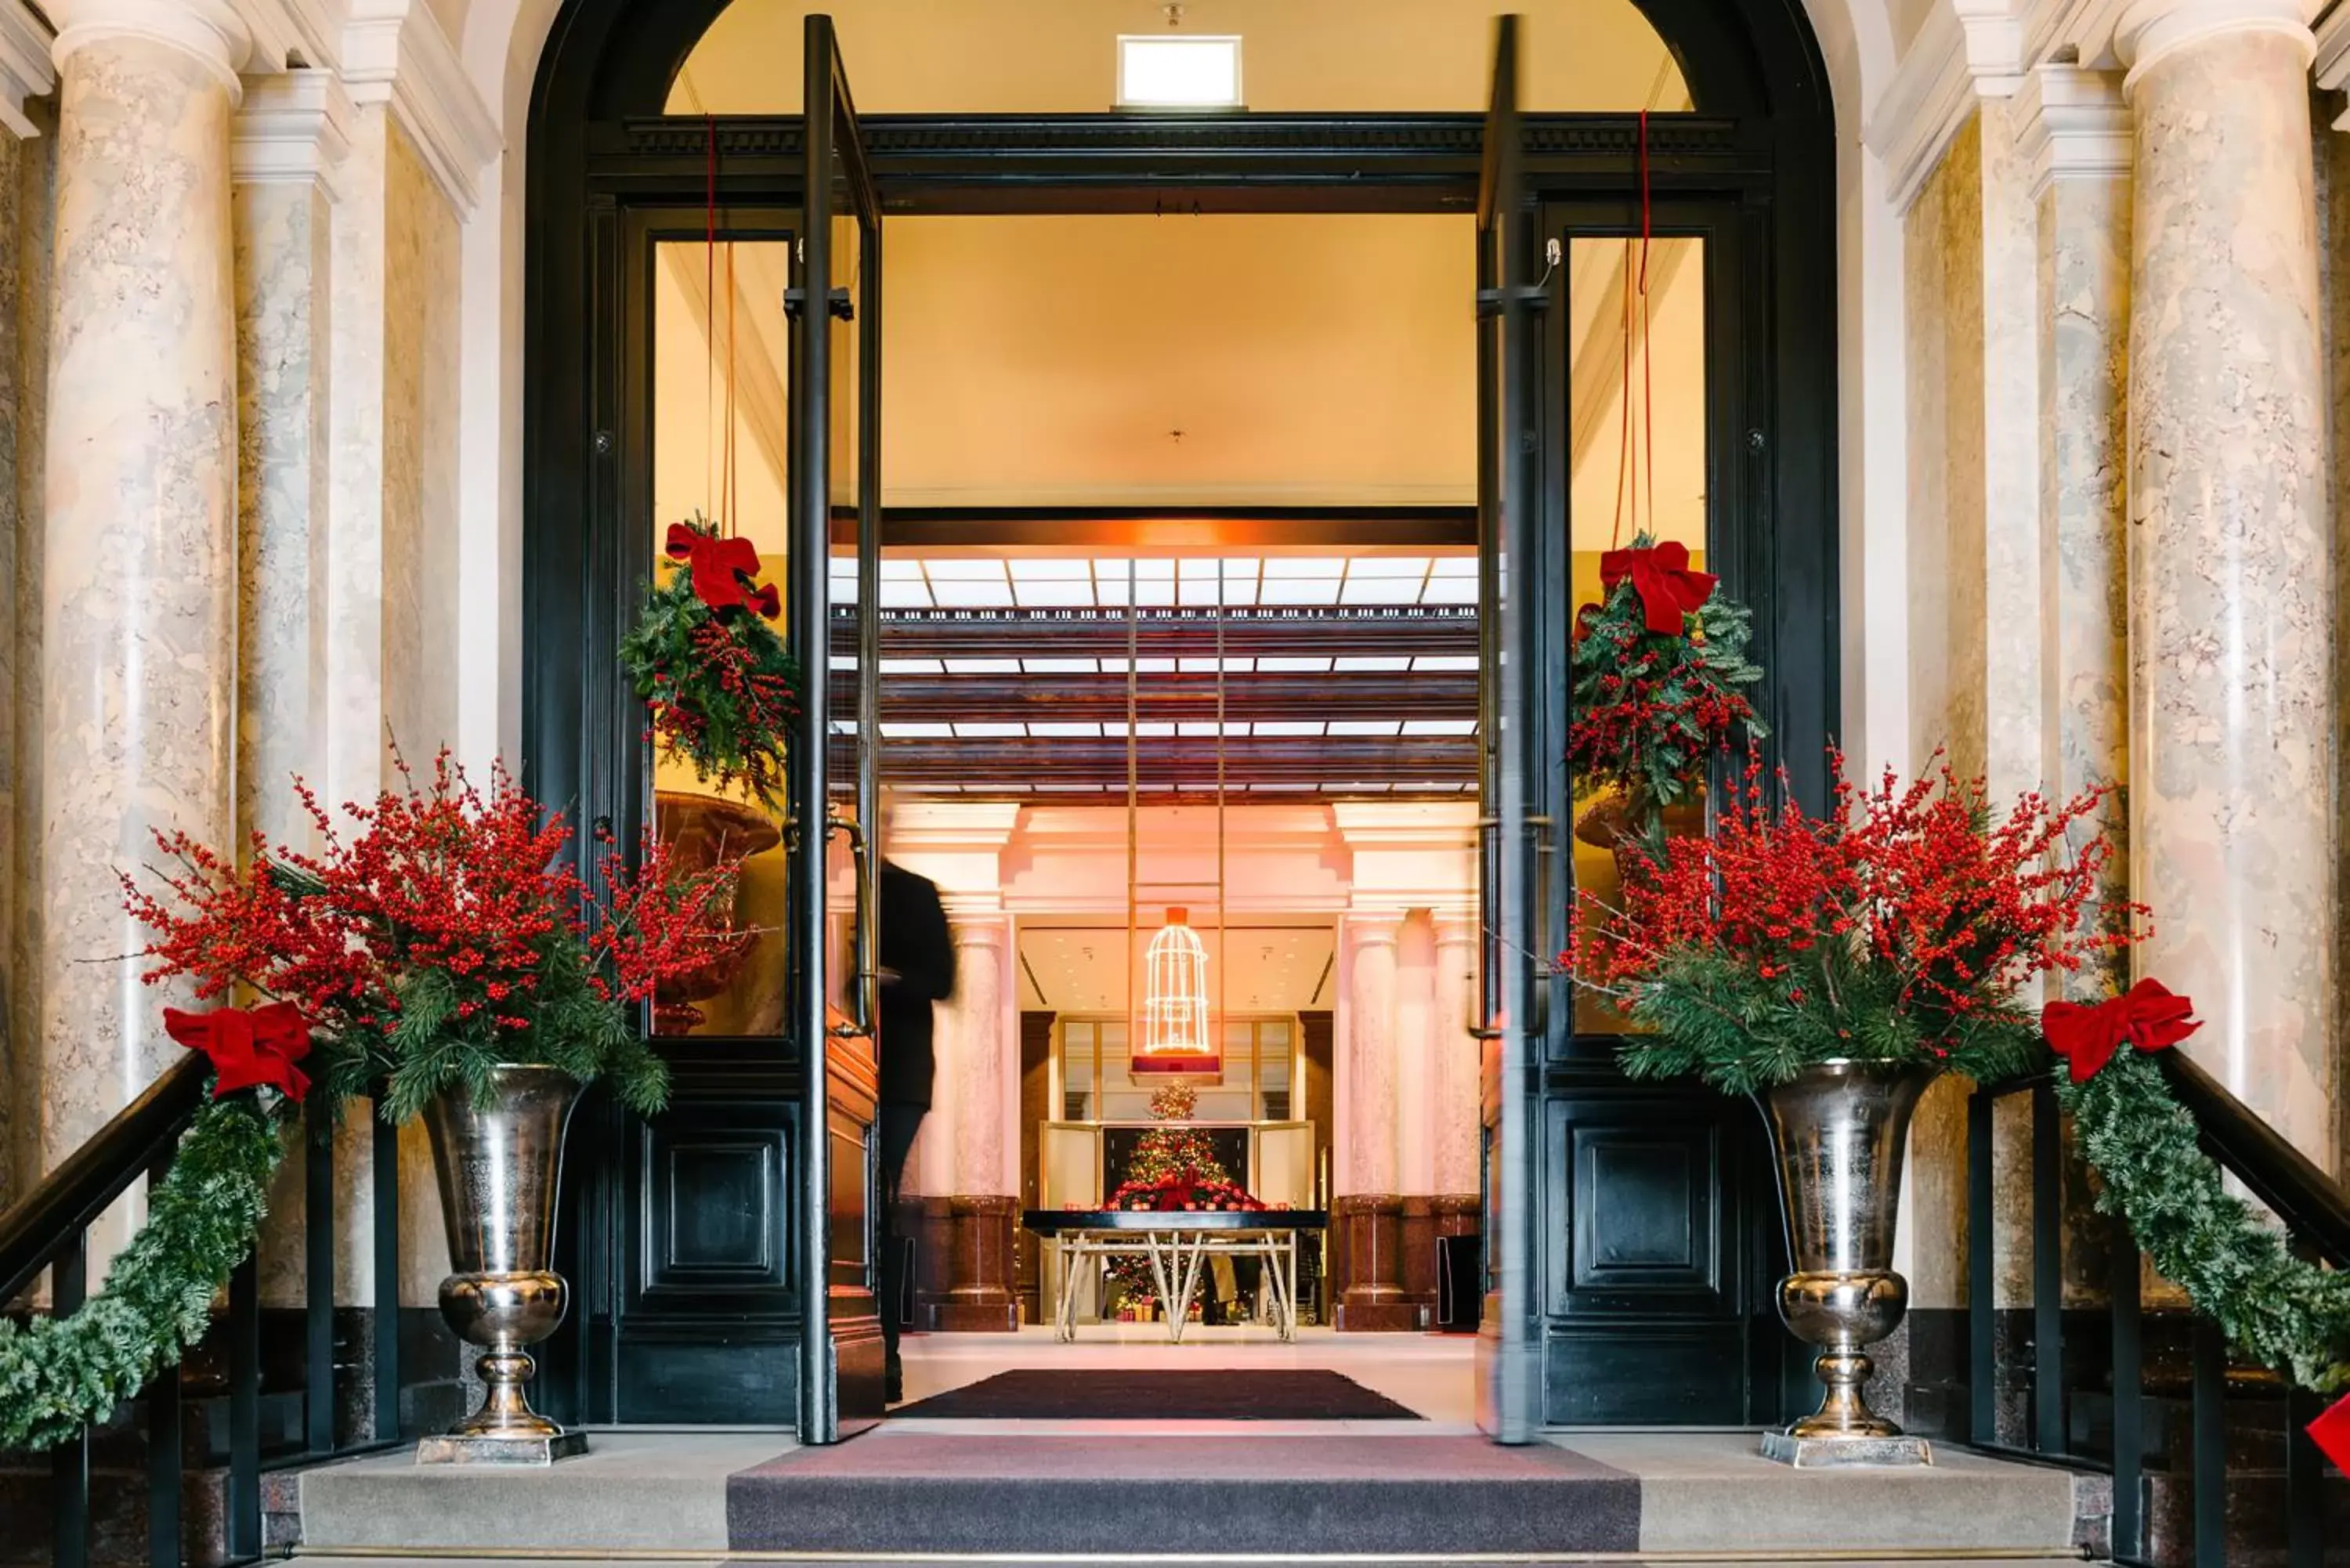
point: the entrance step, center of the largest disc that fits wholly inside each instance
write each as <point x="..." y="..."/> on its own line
<point x="1399" y="1494"/>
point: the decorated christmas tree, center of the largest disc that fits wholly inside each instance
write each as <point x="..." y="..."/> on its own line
<point x="1173" y="1168"/>
<point x="1180" y="1153"/>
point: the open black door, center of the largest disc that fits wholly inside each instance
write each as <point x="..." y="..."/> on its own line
<point x="835" y="472"/>
<point x="1510" y="994"/>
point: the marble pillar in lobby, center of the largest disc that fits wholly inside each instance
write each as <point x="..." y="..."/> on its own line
<point x="2231" y="566"/>
<point x="1367" y="1215"/>
<point x="139" y="611"/>
<point x="970" y="1227"/>
<point x="2075" y="131"/>
<point x="1450" y="1205"/>
<point x="285" y="142"/>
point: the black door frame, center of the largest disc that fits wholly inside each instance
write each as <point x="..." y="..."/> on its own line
<point x="1758" y="163"/>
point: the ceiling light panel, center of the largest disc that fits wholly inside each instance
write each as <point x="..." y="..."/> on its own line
<point x="1179" y="70"/>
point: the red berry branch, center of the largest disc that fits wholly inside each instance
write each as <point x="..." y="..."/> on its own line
<point x="440" y="932"/>
<point x="1901" y="926"/>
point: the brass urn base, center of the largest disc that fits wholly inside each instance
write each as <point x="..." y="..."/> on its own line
<point x="1829" y="1453"/>
<point x="539" y="1450"/>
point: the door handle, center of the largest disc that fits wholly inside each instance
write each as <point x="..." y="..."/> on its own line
<point x="864" y="997"/>
<point x="1480" y="1021"/>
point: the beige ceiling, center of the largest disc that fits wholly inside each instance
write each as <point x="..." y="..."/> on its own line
<point x="1074" y="967"/>
<point x="1226" y="360"/>
<point x="965" y="57"/>
<point x="1237" y="359"/>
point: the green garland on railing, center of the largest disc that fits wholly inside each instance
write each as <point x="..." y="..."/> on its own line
<point x="2282" y="1312"/>
<point x="60" y="1374"/>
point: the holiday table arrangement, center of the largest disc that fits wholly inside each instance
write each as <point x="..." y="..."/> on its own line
<point x="442" y="957"/>
<point x="1831" y="967"/>
<point x="720" y="689"/>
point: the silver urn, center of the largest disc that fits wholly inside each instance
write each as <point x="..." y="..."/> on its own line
<point x="1838" y="1134"/>
<point x="500" y="1163"/>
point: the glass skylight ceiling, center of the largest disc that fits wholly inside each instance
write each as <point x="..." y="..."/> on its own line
<point x="1334" y="695"/>
<point x="964" y="582"/>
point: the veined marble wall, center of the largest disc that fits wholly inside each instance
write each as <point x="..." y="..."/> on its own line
<point x="28" y="206"/>
<point x="1942" y="288"/>
<point x="421" y="293"/>
<point x="1971" y="268"/>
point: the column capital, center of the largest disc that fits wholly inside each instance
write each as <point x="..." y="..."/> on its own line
<point x="293" y="129"/>
<point x="1373" y="928"/>
<point x="210" y="32"/>
<point x="2073" y="124"/>
<point x="978" y="929"/>
<point x="1454" y="929"/>
<point x="2148" y="31"/>
<point x="394" y="52"/>
<point x="26" y="70"/>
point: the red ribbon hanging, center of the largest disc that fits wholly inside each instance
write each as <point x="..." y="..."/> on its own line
<point x="1660" y="574"/>
<point x="248" y="1047"/>
<point x="2330" y="1433"/>
<point x="725" y="571"/>
<point x="2147" y="1016"/>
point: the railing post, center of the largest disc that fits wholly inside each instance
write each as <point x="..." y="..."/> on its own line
<point x="319" y="1288"/>
<point x="1982" y="1375"/>
<point x="2305" y="1484"/>
<point x="244" y="1410"/>
<point x="2049" y="1434"/>
<point x="2129" y="1403"/>
<point x="387" y="1277"/>
<point x="70" y="1462"/>
<point x="164" y="1439"/>
<point x="2209" y="1425"/>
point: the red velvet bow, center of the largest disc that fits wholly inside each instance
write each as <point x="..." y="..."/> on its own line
<point x="2147" y="1016"/>
<point x="1660" y="574"/>
<point x="723" y="570"/>
<point x="247" y="1047"/>
<point x="2330" y="1433"/>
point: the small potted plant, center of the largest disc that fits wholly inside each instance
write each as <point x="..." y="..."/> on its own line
<point x="1660" y="679"/>
<point x="1830" y="967"/>
<point x="447" y="960"/>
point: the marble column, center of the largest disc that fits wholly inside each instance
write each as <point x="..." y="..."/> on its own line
<point x="285" y="142"/>
<point x="138" y="605"/>
<point x="1455" y="1059"/>
<point x="2077" y="132"/>
<point x="1368" y="1213"/>
<point x="2231" y="567"/>
<point x="1370" y="1159"/>
<point x="982" y="1064"/>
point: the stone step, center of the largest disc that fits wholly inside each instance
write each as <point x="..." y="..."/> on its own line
<point x="1393" y="1493"/>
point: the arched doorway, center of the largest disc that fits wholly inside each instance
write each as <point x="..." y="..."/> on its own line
<point x="1649" y="1227"/>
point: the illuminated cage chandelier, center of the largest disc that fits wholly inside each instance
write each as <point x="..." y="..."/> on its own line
<point x="1175" y="1028"/>
<point x="1175" y="993"/>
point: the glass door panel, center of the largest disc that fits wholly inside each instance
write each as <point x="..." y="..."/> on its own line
<point x="833" y="308"/>
<point x="1509" y="1018"/>
<point x="719" y="439"/>
<point x="1636" y="454"/>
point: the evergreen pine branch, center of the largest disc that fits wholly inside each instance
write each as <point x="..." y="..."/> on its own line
<point x="59" y="1375"/>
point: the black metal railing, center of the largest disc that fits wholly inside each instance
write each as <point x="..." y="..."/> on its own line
<point x="2066" y="1356"/>
<point x="49" y="1231"/>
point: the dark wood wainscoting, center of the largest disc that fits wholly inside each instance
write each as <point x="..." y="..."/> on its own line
<point x="677" y="1237"/>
